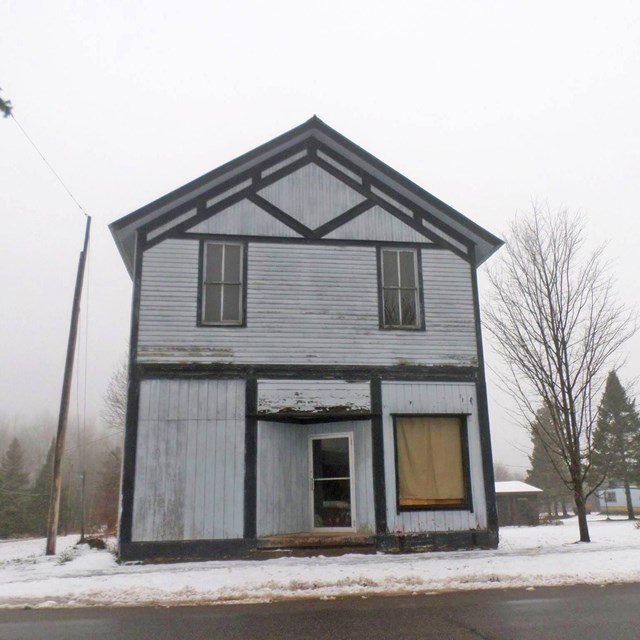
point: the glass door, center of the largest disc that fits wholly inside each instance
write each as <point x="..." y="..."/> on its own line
<point x="331" y="482"/>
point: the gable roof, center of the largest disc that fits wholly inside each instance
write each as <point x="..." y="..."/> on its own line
<point x="515" y="486"/>
<point x="336" y="154"/>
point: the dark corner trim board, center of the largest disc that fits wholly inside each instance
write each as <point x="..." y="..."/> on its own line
<point x="416" y="373"/>
<point x="377" y="455"/>
<point x="251" y="458"/>
<point x="483" y="411"/>
<point x="133" y="397"/>
<point x="467" y="504"/>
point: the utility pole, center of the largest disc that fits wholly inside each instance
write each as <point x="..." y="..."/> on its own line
<point x="84" y="478"/>
<point x="56" y="482"/>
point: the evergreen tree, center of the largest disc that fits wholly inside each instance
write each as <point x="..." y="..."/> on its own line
<point x="616" y="439"/>
<point x="14" y="492"/>
<point x="40" y="496"/>
<point x="546" y="464"/>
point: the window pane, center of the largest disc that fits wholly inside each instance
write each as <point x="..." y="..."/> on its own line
<point x="213" y="263"/>
<point x="391" y="307"/>
<point x="407" y="269"/>
<point x="232" y="254"/>
<point x="408" y="303"/>
<point x="212" y="300"/>
<point x="331" y="458"/>
<point x="430" y="470"/>
<point x="390" y="268"/>
<point x="332" y="503"/>
<point x="231" y="302"/>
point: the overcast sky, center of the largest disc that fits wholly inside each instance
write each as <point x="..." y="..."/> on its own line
<point x="487" y="105"/>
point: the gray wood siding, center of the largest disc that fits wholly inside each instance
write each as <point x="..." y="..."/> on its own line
<point x="312" y="196"/>
<point x="284" y="500"/>
<point x="306" y="304"/>
<point x="313" y="395"/>
<point x="189" y="482"/>
<point x="244" y="218"/>
<point x="440" y="397"/>
<point x="377" y="224"/>
<point x="172" y="223"/>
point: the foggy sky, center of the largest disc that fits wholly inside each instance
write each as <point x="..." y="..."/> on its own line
<point x="487" y="105"/>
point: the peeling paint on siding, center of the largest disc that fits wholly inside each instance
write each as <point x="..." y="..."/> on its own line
<point x="313" y="396"/>
<point x="305" y="303"/>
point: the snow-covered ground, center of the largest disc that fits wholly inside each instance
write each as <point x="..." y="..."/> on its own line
<point x="527" y="557"/>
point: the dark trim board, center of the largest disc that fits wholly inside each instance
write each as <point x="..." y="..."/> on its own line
<point x="309" y="372"/>
<point x="312" y="418"/>
<point x="178" y="550"/>
<point x="377" y="455"/>
<point x="248" y="548"/>
<point x="133" y="398"/>
<point x="188" y="235"/>
<point x="251" y="459"/>
<point x="483" y="412"/>
<point x="437" y="541"/>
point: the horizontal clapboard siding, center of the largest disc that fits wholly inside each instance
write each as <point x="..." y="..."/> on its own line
<point x="189" y="482"/>
<point x="306" y="304"/>
<point x="284" y="500"/>
<point x="434" y="397"/>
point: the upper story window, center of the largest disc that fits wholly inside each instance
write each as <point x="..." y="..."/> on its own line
<point x="222" y="283"/>
<point x="400" y="284"/>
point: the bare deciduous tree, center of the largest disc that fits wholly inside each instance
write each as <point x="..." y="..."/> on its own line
<point x="114" y="409"/>
<point x="556" y="324"/>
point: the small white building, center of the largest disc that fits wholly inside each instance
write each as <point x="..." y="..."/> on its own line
<point x="306" y="360"/>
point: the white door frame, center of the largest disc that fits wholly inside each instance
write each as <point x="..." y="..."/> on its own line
<point x="352" y="484"/>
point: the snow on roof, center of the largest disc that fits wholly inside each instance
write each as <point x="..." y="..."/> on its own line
<point x="515" y="486"/>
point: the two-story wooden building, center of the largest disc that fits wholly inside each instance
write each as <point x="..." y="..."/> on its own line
<point x="306" y="360"/>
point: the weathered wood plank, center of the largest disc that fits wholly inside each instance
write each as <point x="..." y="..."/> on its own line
<point x="190" y="465"/>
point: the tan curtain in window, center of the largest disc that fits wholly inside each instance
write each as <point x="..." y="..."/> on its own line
<point x="430" y="461"/>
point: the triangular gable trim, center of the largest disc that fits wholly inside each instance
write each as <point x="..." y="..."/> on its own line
<point x="244" y="218"/>
<point x="378" y="225"/>
<point x="334" y="150"/>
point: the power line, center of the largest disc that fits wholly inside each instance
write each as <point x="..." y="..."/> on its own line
<point x="55" y="173"/>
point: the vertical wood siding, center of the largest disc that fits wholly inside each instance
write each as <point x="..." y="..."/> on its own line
<point x="284" y="501"/>
<point x="189" y="482"/>
<point x="244" y="218"/>
<point x="172" y="223"/>
<point x="311" y="195"/>
<point x="377" y="224"/>
<point x="306" y="304"/>
<point x="444" y="397"/>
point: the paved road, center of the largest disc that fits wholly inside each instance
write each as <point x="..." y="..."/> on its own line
<point x="567" y="613"/>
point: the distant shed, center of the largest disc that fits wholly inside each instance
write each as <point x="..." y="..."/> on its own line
<point x="517" y="503"/>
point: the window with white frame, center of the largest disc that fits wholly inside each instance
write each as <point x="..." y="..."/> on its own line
<point x="222" y="282"/>
<point x="400" y="289"/>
